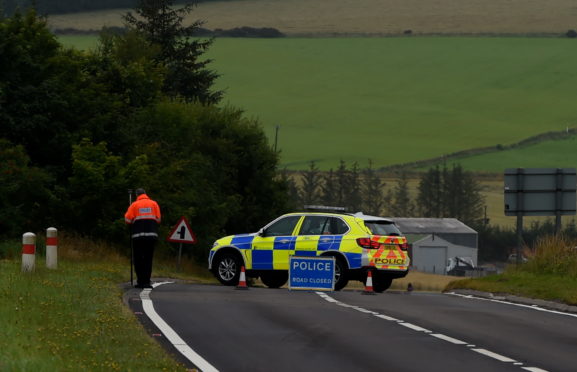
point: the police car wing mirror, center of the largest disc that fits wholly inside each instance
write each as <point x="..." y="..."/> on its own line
<point x="260" y="232"/>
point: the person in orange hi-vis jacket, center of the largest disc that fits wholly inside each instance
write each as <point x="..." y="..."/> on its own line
<point x="143" y="216"/>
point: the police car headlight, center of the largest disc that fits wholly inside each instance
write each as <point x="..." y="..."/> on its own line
<point x="215" y="244"/>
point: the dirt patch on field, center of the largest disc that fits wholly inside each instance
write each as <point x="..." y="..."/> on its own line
<point x="376" y="17"/>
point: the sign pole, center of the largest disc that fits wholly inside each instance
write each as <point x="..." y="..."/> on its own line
<point x="131" y="245"/>
<point x="179" y="255"/>
<point x="558" y="200"/>
<point x="520" y="210"/>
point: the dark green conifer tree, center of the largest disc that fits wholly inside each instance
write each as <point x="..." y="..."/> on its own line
<point x="187" y="75"/>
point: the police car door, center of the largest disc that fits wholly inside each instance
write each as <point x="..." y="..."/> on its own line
<point x="272" y="248"/>
<point x="313" y="230"/>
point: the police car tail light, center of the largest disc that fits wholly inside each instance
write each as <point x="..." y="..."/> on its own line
<point x="404" y="246"/>
<point x="368" y="243"/>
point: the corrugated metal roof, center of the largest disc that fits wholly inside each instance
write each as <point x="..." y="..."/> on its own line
<point x="432" y="226"/>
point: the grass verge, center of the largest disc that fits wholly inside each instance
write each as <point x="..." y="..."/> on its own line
<point x="550" y="274"/>
<point x="73" y="318"/>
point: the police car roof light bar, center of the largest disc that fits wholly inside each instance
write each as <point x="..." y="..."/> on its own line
<point x="325" y="208"/>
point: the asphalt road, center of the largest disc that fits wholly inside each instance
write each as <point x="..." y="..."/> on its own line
<point x="261" y="329"/>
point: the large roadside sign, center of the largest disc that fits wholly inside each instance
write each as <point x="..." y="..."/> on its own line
<point x="540" y="191"/>
<point x="312" y="273"/>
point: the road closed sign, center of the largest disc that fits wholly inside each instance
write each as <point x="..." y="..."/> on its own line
<point x="312" y="273"/>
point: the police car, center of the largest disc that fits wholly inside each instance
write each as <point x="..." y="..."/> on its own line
<point x="358" y="242"/>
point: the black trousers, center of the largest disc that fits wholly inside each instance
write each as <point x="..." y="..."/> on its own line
<point x="143" y="253"/>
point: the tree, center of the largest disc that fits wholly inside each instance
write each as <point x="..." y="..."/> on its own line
<point x="187" y="75"/>
<point x="353" y="196"/>
<point x="329" y="189"/>
<point x="430" y="194"/>
<point x="24" y="192"/>
<point x="210" y="164"/>
<point x="372" y="190"/>
<point x="451" y="193"/>
<point x="311" y="183"/>
<point x="401" y="205"/>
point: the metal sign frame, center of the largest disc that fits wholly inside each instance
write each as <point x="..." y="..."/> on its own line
<point x="539" y="192"/>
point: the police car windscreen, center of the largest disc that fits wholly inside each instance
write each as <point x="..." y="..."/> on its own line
<point x="383" y="228"/>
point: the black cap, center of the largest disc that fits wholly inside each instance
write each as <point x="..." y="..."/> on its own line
<point x="139" y="191"/>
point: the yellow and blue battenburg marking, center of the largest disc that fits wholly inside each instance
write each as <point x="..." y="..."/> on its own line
<point x="273" y="253"/>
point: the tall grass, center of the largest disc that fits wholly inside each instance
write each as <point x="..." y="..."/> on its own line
<point x="549" y="274"/>
<point x="555" y="255"/>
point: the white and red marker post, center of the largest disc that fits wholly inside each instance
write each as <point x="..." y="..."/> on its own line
<point x="52" y="248"/>
<point x="28" y="251"/>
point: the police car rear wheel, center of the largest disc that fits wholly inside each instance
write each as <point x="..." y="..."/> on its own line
<point x="228" y="269"/>
<point x="274" y="279"/>
<point x="341" y="279"/>
<point x="382" y="283"/>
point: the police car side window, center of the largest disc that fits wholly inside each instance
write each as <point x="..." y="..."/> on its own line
<point x="314" y="225"/>
<point x="282" y="227"/>
<point x="338" y="226"/>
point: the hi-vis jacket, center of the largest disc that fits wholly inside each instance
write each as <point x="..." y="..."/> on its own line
<point x="144" y="216"/>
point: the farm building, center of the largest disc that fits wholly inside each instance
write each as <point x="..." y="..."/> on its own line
<point x="437" y="243"/>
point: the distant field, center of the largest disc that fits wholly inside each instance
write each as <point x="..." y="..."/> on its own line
<point x="377" y="17"/>
<point x="558" y="154"/>
<point x="395" y="100"/>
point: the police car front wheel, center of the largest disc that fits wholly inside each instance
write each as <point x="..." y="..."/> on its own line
<point x="274" y="279"/>
<point x="341" y="279"/>
<point x="228" y="269"/>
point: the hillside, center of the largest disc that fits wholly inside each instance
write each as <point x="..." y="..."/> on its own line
<point x="376" y="17"/>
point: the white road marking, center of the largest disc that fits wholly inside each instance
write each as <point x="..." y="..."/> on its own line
<point x="440" y="336"/>
<point x="493" y="355"/>
<point x="170" y="334"/>
<point x="532" y="307"/>
<point x="415" y="327"/>
<point x="449" y="339"/>
<point x="385" y="317"/>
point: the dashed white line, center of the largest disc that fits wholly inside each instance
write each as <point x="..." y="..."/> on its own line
<point x="171" y="335"/>
<point x="385" y="317"/>
<point x="493" y="355"/>
<point x="415" y="327"/>
<point x="440" y="336"/>
<point x="449" y="339"/>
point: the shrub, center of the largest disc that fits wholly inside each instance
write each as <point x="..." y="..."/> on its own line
<point x="552" y="254"/>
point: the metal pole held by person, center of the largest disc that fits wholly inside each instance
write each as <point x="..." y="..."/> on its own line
<point x="131" y="245"/>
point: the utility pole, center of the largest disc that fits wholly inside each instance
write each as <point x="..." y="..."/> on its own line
<point x="276" y="137"/>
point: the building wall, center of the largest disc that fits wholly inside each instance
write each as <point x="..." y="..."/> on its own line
<point x="431" y="254"/>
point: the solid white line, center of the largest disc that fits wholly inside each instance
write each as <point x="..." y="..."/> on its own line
<point x="493" y="355"/>
<point x="449" y="339"/>
<point x="171" y="335"/>
<point x="532" y="307"/>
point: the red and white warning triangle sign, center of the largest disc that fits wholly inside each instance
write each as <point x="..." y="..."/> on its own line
<point x="182" y="233"/>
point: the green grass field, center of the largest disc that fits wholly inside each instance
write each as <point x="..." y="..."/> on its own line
<point x="398" y="99"/>
<point x="558" y="154"/>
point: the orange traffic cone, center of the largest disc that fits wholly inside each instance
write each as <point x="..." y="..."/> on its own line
<point x="242" y="280"/>
<point x="369" y="285"/>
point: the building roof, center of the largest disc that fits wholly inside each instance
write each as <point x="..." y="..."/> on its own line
<point x="432" y="226"/>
